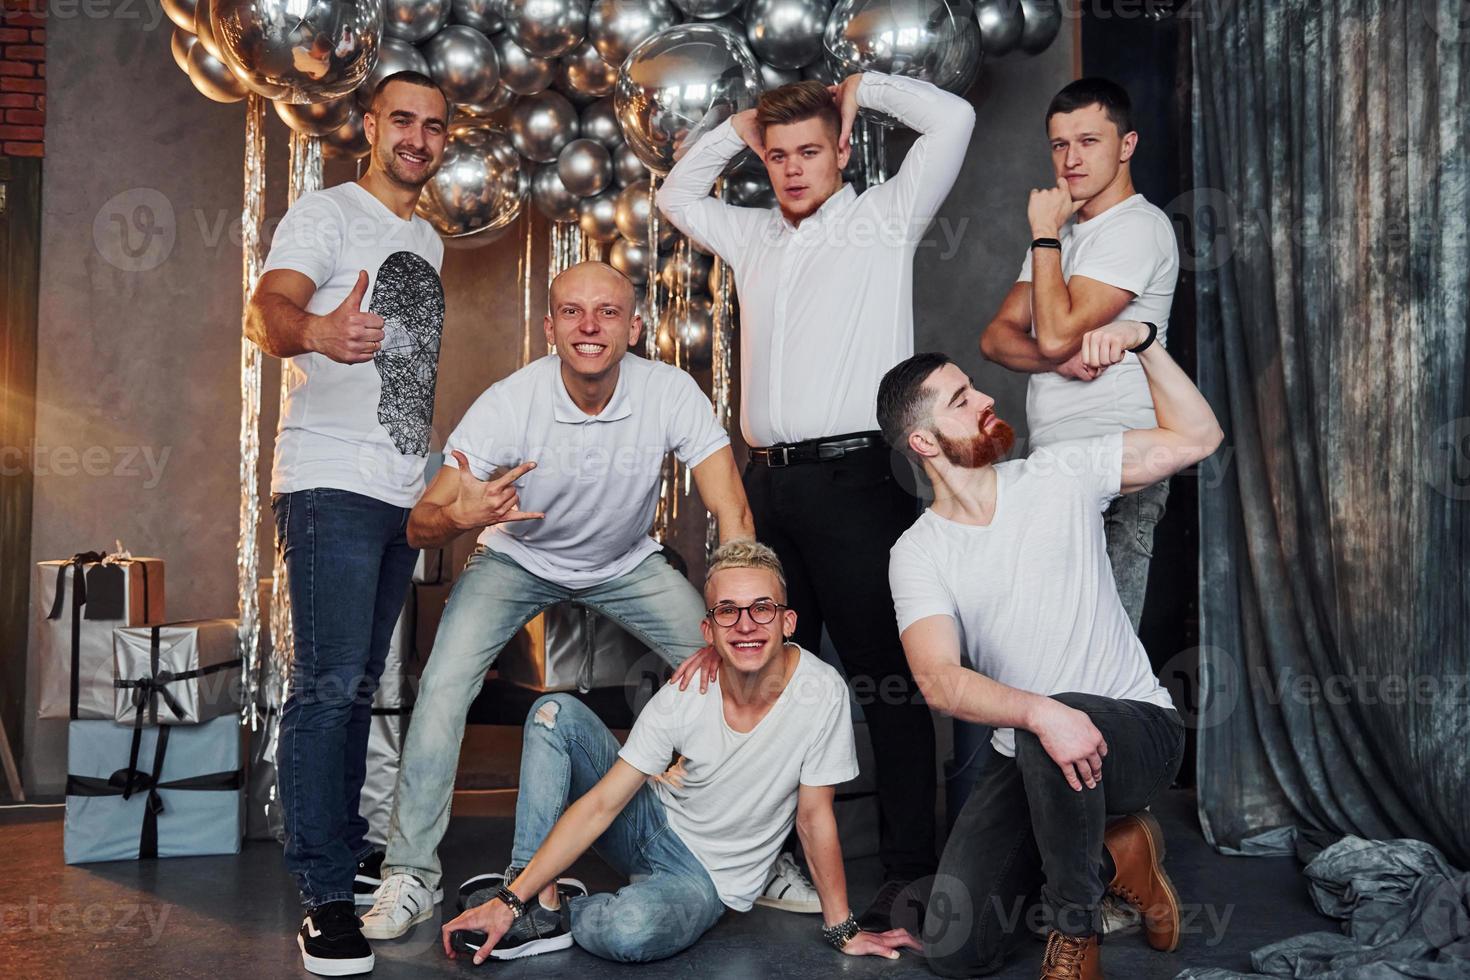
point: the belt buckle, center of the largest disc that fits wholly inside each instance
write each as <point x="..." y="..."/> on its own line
<point x="785" y="456"/>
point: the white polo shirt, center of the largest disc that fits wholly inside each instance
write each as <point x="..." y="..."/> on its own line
<point x="596" y="476"/>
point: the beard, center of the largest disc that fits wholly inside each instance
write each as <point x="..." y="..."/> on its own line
<point x="982" y="449"/>
<point x="398" y="172"/>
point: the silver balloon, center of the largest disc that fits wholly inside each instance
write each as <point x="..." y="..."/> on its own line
<point x="676" y="270"/>
<point x="180" y="44"/>
<point x="616" y="27"/>
<point x="820" y="71"/>
<point x="521" y="72"/>
<point x="586" y="73"/>
<point x="483" y="15"/>
<point x="691" y="326"/>
<point x="772" y="77"/>
<point x="750" y="190"/>
<point x="213" y="77"/>
<point x="542" y="124"/>
<point x="598" y="216"/>
<point x="546" y="28"/>
<point x="394" y="56"/>
<point x="786" y="33"/>
<point x="631" y="259"/>
<point x="551" y="196"/>
<point x="464" y="63"/>
<point x="414" y="20"/>
<point x="181" y="12"/>
<point x="632" y="214"/>
<point x="347" y="141"/>
<point x="311" y="50"/>
<point x="585" y="167"/>
<point x="935" y="40"/>
<point x="499" y="99"/>
<point x="627" y="168"/>
<point x="681" y="83"/>
<point x="600" y="122"/>
<point x="1041" y="19"/>
<point x="1000" y="23"/>
<point x="317" y="118"/>
<point x="481" y="186"/>
<point x="708" y="9"/>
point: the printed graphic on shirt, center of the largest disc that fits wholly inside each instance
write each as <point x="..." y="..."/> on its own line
<point x="409" y="297"/>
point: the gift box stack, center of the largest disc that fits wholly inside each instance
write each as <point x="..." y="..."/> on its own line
<point x="153" y="743"/>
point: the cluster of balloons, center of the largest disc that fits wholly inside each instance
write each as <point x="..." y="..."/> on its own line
<point x="570" y="103"/>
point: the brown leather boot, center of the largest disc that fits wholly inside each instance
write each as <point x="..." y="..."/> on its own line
<point x="1136" y="843"/>
<point x="1070" y="958"/>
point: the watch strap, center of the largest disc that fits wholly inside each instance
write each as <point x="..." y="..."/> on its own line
<point x="1046" y="243"/>
<point x="1153" y="333"/>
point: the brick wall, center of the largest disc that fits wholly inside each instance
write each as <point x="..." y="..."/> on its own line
<point x="23" y="78"/>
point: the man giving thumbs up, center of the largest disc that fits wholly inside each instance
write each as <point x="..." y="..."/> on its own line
<point x="351" y="302"/>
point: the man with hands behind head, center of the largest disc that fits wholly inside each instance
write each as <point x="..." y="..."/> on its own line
<point x="1100" y="252"/>
<point x="1010" y="618"/>
<point x="825" y="282"/>
<point x="557" y="467"/>
<point x="761" y="752"/>
<point x="350" y="300"/>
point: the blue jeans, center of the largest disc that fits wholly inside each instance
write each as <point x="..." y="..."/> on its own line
<point x="1128" y="526"/>
<point x="671" y="902"/>
<point x="494" y="598"/>
<point x="349" y="564"/>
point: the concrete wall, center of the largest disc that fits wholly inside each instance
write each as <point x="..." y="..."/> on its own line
<point x="139" y="345"/>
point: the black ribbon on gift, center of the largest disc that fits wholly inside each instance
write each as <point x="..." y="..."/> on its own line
<point x="77" y="563"/>
<point x="124" y="782"/>
<point x="147" y="690"/>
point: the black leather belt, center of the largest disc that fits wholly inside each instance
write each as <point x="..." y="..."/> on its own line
<point x="816" y="450"/>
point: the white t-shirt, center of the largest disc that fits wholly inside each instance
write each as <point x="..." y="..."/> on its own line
<point x="1032" y="592"/>
<point x="738" y="801"/>
<point x="1132" y="246"/>
<point x="596" y="476"/>
<point x="361" y="427"/>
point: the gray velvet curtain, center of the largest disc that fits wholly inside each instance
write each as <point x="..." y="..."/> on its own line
<point x="1330" y="211"/>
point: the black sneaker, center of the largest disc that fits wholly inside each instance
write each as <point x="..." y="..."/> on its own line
<point x="896" y="906"/>
<point x="540" y="930"/>
<point x="331" y="942"/>
<point x="481" y="888"/>
<point x="369" y="877"/>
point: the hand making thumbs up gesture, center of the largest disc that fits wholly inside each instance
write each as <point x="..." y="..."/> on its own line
<point x="348" y="334"/>
<point x="480" y="503"/>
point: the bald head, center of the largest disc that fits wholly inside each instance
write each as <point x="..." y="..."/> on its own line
<point x="597" y="277"/>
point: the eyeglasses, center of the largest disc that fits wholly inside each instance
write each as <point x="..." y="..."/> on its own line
<point x="762" y="611"/>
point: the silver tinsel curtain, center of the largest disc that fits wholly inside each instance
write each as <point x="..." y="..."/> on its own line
<point x="1331" y="144"/>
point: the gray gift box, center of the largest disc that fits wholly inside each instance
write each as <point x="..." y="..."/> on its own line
<point x="167" y="791"/>
<point x="176" y="673"/>
<point x="571" y="648"/>
<point x="392" y="705"/>
<point x="81" y="600"/>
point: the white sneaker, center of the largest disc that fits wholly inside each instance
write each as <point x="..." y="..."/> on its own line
<point x="789" y="889"/>
<point x="401" y="902"/>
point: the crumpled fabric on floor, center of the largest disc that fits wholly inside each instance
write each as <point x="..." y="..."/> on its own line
<point x="1405" y="912"/>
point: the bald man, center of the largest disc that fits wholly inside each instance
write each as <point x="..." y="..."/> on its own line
<point x="557" y="468"/>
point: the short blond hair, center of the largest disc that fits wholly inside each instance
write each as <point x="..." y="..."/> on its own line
<point x="745" y="553"/>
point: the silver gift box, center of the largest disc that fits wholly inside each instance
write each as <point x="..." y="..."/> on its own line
<point x="80" y="603"/>
<point x="570" y="647"/>
<point x="176" y="673"/>
<point x="391" y="708"/>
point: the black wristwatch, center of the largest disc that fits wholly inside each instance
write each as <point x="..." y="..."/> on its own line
<point x="1046" y="243"/>
<point x="1153" y="332"/>
<point x="516" y="906"/>
<point x="838" y="936"/>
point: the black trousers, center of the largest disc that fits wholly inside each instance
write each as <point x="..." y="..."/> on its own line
<point x="1024" y="833"/>
<point x="832" y="523"/>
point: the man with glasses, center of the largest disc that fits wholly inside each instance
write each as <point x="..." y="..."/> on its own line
<point x="760" y="755"/>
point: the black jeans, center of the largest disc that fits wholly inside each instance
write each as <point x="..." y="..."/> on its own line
<point x="1025" y="833"/>
<point x="832" y="523"/>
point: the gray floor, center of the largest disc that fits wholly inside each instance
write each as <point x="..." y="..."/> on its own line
<point x="227" y="917"/>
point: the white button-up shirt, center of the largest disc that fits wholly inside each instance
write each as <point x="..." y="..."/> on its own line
<point x="826" y="307"/>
